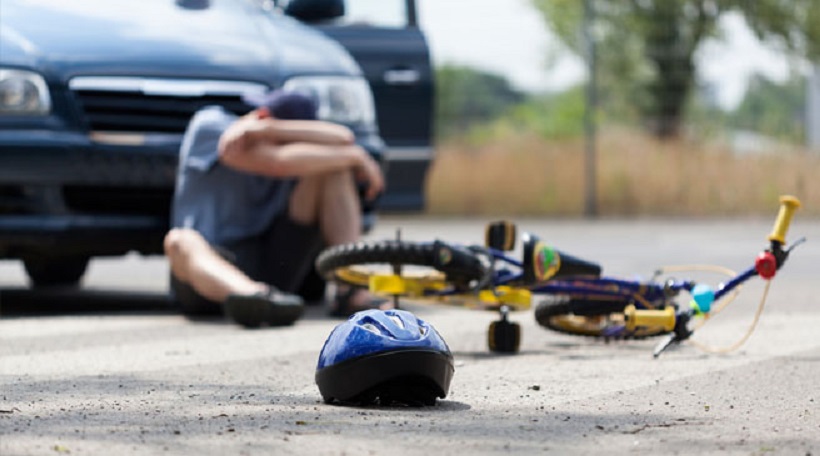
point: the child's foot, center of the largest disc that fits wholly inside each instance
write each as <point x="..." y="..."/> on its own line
<point x="272" y="308"/>
<point x="349" y="300"/>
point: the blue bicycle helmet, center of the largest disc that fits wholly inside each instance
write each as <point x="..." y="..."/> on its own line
<point x="384" y="357"/>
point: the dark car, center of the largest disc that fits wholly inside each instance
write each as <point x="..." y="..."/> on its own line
<point x="95" y="96"/>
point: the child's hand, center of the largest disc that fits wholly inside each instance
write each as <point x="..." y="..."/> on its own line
<point x="369" y="172"/>
<point x="241" y="134"/>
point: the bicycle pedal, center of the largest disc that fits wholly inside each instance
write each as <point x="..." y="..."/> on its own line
<point x="500" y="235"/>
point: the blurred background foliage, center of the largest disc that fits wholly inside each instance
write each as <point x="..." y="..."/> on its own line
<point x="665" y="146"/>
<point x="647" y="48"/>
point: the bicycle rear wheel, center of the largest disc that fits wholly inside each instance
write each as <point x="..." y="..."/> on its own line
<point x="589" y="317"/>
<point x="434" y="266"/>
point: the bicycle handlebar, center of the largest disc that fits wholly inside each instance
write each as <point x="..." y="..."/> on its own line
<point x="788" y="204"/>
<point x="766" y="265"/>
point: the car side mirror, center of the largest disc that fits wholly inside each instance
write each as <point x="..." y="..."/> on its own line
<point x="315" y="10"/>
<point x="195" y="5"/>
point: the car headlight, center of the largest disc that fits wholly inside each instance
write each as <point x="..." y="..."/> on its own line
<point x="23" y="93"/>
<point x="344" y="100"/>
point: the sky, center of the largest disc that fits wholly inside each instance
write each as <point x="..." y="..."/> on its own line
<point x="508" y="37"/>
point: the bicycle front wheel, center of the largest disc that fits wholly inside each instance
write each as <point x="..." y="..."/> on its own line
<point x="603" y="318"/>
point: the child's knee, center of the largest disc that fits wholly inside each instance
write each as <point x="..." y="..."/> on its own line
<point x="179" y="240"/>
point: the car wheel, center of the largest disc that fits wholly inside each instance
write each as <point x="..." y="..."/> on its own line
<point x="56" y="271"/>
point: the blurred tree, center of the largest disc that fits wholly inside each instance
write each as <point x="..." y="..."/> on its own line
<point x="551" y="115"/>
<point x="773" y="109"/>
<point x="646" y="48"/>
<point x="467" y="96"/>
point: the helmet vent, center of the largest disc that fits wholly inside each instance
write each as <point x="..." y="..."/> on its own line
<point x="371" y="327"/>
<point x="398" y="321"/>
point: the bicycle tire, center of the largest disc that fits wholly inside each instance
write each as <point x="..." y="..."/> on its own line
<point x="460" y="266"/>
<point x="584" y="317"/>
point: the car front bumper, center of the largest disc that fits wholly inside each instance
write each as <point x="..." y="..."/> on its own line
<point x="61" y="193"/>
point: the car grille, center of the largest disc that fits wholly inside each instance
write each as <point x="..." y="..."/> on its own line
<point x="106" y="111"/>
<point x="82" y="199"/>
<point x="126" y="105"/>
<point x="13" y="200"/>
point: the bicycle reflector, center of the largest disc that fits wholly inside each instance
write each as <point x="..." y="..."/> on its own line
<point x="766" y="265"/>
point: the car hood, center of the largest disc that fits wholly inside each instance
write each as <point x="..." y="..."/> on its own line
<point x="227" y="39"/>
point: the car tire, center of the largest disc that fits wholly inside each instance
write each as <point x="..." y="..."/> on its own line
<point x="56" y="271"/>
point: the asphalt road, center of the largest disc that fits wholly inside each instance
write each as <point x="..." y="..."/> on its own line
<point x="111" y="369"/>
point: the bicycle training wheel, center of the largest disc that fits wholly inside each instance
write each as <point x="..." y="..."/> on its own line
<point x="589" y="317"/>
<point x="425" y="267"/>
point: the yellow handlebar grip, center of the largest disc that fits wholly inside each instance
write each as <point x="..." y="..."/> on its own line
<point x="788" y="204"/>
<point x="635" y="318"/>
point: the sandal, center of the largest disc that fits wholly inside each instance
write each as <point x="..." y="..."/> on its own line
<point x="343" y="306"/>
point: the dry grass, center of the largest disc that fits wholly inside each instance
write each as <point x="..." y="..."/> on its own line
<point x="637" y="175"/>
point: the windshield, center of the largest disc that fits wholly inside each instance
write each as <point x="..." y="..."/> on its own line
<point x="378" y="13"/>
